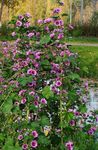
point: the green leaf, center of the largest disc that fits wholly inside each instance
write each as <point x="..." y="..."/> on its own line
<point x="34" y="125"/>
<point x="7" y="106"/>
<point x="45" y="121"/>
<point x="43" y="140"/>
<point x="46" y="64"/>
<point x="1" y="137"/>
<point x="74" y="76"/>
<point x="24" y="80"/>
<point x="47" y="93"/>
<point x="44" y="40"/>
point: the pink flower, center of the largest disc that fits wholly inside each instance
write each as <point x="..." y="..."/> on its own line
<point x="20" y="137"/>
<point x="20" y="17"/>
<point x="35" y="134"/>
<point x="58" y="83"/>
<point x="34" y="144"/>
<point x="57" y="10"/>
<point x="40" y="21"/>
<point x="43" y="101"/>
<point x="13" y="34"/>
<point x="29" y="52"/>
<point x="69" y="145"/>
<point x="60" y="36"/>
<point x="21" y="92"/>
<point x="72" y="123"/>
<point x="52" y="35"/>
<point x="32" y="72"/>
<point x="30" y="34"/>
<point x="25" y="146"/>
<point x="36" y="103"/>
<point x="48" y="20"/>
<point x="28" y="15"/>
<point x="32" y="93"/>
<point x="27" y="24"/>
<point x="86" y="85"/>
<point x="18" y="23"/>
<point x="70" y="27"/>
<point x="68" y="53"/>
<point x="37" y="55"/>
<point x="23" y="101"/>
<point x="62" y="53"/>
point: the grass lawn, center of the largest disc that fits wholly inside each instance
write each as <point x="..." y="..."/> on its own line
<point x="83" y="40"/>
<point x="88" y="57"/>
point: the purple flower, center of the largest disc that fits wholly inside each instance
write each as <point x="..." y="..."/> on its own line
<point x="13" y="34"/>
<point x="20" y="17"/>
<point x="27" y="24"/>
<point x="48" y="20"/>
<point x="36" y="103"/>
<point x="20" y="137"/>
<point x="70" y="27"/>
<point x="35" y="134"/>
<point x="32" y="93"/>
<point x="28" y="15"/>
<point x="23" y="101"/>
<point x="58" y="83"/>
<point x="72" y="123"/>
<point x="86" y="85"/>
<point x="62" y="53"/>
<point x="30" y="34"/>
<point x="61" y="3"/>
<point x="69" y="145"/>
<point x="18" y="23"/>
<point x="60" y="36"/>
<point x="58" y="23"/>
<point x="40" y="21"/>
<point x="43" y="101"/>
<point x="57" y="10"/>
<point x="21" y="92"/>
<point x="52" y="35"/>
<point x="25" y="146"/>
<point x="34" y="144"/>
<point x="32" y="84"/>
<point x="32" y="72"/>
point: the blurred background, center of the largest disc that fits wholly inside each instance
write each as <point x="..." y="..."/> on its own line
<point x="83" y="14"/>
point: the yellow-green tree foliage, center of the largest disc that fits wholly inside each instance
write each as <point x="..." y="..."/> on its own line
<point x="37" y="8"/>
<point x="41" y="8"/>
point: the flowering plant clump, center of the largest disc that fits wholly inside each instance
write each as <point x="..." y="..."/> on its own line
<point x="42" y="97"/>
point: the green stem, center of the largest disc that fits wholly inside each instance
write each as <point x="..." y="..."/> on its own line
<point x="61" y="119"/>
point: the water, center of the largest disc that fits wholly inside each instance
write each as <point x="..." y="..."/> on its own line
<point x="92" y="103"/>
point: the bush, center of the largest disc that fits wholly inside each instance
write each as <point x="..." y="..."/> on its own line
<point x="42" y="96"/>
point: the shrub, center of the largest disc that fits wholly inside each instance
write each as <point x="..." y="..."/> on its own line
<point x="42" y="100"/>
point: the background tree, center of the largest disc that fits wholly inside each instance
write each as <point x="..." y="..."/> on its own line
<point x="1" y="11"/>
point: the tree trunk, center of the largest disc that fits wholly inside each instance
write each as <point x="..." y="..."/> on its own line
<point x="70" y="14"/>
<point x="81" y="11"/>
<point x="1" y="10"/>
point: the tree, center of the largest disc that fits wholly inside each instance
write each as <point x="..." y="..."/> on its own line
<point x="81" y="11"/>
<point x="71" y="2"/>
<point x="1" y="10"/>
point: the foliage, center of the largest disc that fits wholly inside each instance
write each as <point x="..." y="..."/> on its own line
<point x="42" y="95"/>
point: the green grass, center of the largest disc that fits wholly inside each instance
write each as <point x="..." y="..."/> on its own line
<point x="93" y="40"/>
<point x="88" y="58"/>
